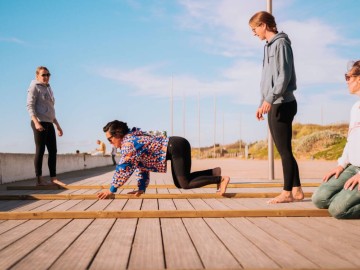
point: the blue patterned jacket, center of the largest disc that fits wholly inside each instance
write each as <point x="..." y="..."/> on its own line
<point x="143" y="153"/>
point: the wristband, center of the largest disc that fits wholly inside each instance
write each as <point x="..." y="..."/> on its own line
<point x="113" y="189"/>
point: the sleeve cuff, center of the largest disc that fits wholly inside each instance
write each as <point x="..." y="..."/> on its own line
<point x="113" y="189"/>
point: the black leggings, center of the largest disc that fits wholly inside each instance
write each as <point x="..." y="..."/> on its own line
<point x="45" y="138"/>
<point x="179" y="152"/>
<point x="280" y="119"/>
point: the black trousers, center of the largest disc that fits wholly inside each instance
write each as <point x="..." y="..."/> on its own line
<point x="46" y="138"/>
<point x="179" y="152"/>
<point x="280" y="118"/>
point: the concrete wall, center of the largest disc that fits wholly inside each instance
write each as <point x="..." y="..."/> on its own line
<point x="16" y="167"/>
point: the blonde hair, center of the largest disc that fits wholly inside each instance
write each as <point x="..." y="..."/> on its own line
<point x="264" y="17"/>
<point x="41" y="68"/>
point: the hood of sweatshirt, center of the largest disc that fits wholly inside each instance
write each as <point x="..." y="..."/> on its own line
<point x="277" y="36"/>
<point x="35" y="82"/>
<point x="40" y="101"/>
<point x="278" y="79"/>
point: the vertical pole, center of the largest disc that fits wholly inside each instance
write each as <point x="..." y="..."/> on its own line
<point x="240" y="137"/>
<point x="269" y="6"/>
<point x="223" y="135"/>
<point x="214" y="126"/>
<point x="270" y="139"/>
<point x="199" y="124"/>
<point x="172" y="106"/>
<point x="184" y="114"/>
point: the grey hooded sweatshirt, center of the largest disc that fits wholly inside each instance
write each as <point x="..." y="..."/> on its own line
<point x="278" y="79"/>
<point x="40" y="102"/>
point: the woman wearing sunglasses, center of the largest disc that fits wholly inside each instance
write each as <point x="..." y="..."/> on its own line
<point x="40" y="105"/>
<point x="278" y="82"/>
<point x="340" y="190"/>
<point x="145" y="153"/>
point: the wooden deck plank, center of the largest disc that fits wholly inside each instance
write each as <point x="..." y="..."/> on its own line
<point x="31" y="205"/>
<point x="82" y="205"/>
<point x="328" y="242"/>
<point x="133" y="205"/>
<point x="233" y="204"/>
<point x="246" y="253"/>
<point x="308" y="249"/>
<point x="166" y="204"/>
<point x="81" y="252"/>
<point x="211" y="250"/>
<point x="199" y="204"/>
<point x="49" y="251"/>
<point x="208" y="245"/>
<point x="179" y="250"/>
<point x="12" y="204"/>
<point x="48" y="206"/>
<point x="273" y="247"/>
<point x="343" y="225"/>
<point x="116" y="205"/>
<point x="19" y="249"/>
<point x="114" y="253"/>
<point x="355" y="222"/>
<point x="19" y="232"/>
<point x="99" y="205"/>
<point x="66" y="205"/>
<point x="216" y="204"/>
<point x="147" y="251"/>
<point x="150" y="204"/>
<point x="7" y="225"/>
<point x="342" y="233"/>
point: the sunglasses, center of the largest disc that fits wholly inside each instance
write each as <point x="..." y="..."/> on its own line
<point x="110" y="138"/>
<point x="46" y="75"/>
<point x="347" y="77"/>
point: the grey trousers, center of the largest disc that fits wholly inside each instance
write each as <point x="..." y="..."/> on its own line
<point x="342" y="203"/>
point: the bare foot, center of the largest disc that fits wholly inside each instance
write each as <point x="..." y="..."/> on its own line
<point x="56" y="181"/>
<point x="223" y="185"/>
<point x="40" y="181"/>
<point x="284" y="197"/>
<point x="297" y="193"/>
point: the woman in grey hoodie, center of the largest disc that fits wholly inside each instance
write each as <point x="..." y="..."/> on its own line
<point x="40" y="105"/>
<point x="278" y="82"/>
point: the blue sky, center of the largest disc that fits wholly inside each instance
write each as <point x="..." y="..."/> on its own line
<point x="122" y="59"/>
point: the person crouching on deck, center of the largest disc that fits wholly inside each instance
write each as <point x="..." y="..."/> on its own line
<point x="340" y="190"/>
<point x="145" y="153"/>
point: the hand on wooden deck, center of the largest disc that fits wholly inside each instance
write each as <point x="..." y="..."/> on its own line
<point x="104" y="194"/>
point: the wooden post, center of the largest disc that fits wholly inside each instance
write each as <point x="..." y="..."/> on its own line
<point x="270" y="139"/>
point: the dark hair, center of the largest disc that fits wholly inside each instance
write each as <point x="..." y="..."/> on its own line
<point x="355" y="67"/>
<point x="264" y="17"/>
<point x="117" y="128"/>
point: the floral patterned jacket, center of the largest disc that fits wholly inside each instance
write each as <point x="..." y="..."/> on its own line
<point x="143" y="153"/>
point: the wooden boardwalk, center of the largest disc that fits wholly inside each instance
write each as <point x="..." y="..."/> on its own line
<point x="243" y="242"/>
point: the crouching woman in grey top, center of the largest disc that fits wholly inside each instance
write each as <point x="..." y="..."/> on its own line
<point x="40" y="105"/>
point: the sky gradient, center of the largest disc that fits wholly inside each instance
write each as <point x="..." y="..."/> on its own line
<point x="123" y="59"/>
